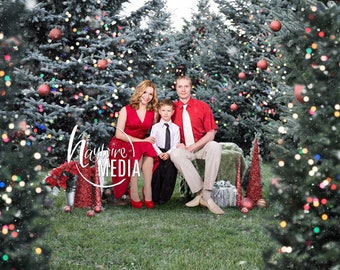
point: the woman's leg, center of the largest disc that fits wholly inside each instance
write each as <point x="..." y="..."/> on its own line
<point x="134" y="184"/>
<point x="147" y="167"/>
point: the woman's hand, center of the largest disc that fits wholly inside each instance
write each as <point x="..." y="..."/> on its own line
<point x="150" y="139"/>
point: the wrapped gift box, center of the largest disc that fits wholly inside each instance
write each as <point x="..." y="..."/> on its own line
<point x="224" y="194"/>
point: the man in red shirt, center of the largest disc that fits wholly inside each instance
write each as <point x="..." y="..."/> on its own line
<point x="199" y="144"/>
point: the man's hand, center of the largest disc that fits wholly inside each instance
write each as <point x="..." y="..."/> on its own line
<point x="190" y="148"/>
<point x="181" y="145"/>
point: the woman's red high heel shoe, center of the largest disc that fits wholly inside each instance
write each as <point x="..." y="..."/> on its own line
<point x="135" y="204"/>
<point x="148" y="204"/>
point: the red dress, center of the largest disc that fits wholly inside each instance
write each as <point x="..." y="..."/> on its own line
<point x="124" y="156"/>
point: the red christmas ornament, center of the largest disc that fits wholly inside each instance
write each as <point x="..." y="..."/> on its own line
<point x="299" y="89"/>
<point x="44" y="90"/>
<point x="275" y="25"/>
<point x="7" y="57"/>
<point x="97" y="209"/>
<point x="67" y="209"/>
<point x="18" y="135"/>
<point x="242" y="75"/>
<point x="14" y="40"/>
<point x="247" y="203"/>
<point x="254" y="188"/>
<point x="55" y="34"/>
<point x="244" y="210"/>
<point x="233" y="107"/>
<point x="90" y="213"/>
<point x="262" y="64"/>
<point x="102" y="64"/>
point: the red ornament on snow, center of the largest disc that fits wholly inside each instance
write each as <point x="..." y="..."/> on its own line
<point x="102" y="64"/>
<point x="275" y="25"/>
<point x="44" y="90"/>
<point x="262" y="64"/>
<point x="299" y="89"/>
<point x="242" y="75"/>
<point x="247" y="203"/>
<point x="55" y="34"/>
<point x="233" y="107"/>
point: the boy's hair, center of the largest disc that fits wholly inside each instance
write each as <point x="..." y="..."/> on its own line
<point x="164" y="102"/>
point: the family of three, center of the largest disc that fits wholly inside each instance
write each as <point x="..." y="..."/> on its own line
<point x="162" y="147"/>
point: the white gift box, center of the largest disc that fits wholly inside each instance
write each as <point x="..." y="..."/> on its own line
<point x="224" y="194"/>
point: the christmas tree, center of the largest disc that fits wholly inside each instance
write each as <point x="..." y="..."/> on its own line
<point x="226" y="55"/>
<point x="155" y="46"/>
<point x="305" y="142"/>
<point x="77" y="72"/>
<point x="86" y="58"/>
<point x="83" y="64"/>
<point x="22" y="217"/>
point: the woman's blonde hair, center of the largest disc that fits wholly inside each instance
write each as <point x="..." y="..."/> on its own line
<point x="140" y="90"/>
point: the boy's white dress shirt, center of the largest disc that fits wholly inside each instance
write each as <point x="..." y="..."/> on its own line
<point x="158" y="132"/>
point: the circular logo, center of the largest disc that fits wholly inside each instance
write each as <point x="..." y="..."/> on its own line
<point x="102" y="163"/>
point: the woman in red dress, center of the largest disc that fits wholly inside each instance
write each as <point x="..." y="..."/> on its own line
<point x="130" y="150"/>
